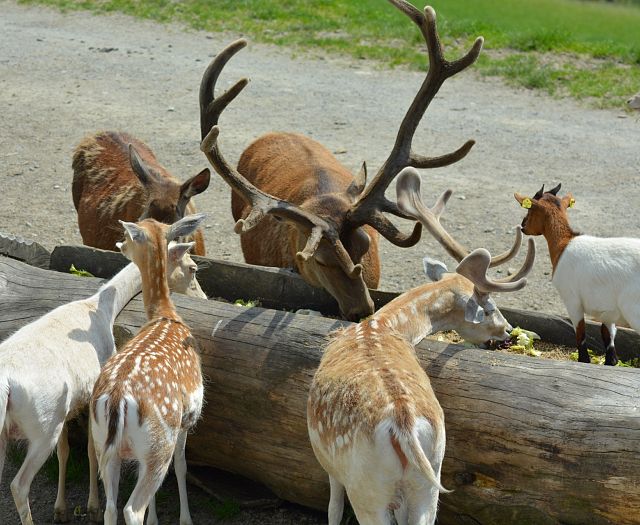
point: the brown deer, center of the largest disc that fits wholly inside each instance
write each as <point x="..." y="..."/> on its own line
<point x="149" y="395"/>
<point x="117" y="177"/>
<point x="323" y="221"/>
<point x="374" y="422"/>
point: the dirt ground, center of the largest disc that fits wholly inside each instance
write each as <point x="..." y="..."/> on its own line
<point x="64" y="76"/>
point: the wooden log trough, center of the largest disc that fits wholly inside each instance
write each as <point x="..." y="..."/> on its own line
<point x="529" y="441"/>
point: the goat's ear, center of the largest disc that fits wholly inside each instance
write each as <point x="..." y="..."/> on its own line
<point x="184" y="226"/>
<point x="568" y="201"/>
<point x="473" y="312"/>
<point x="141" y="170"/>
<point x="433" y="269"/>
<point x="196" y="184"/>
<point x="136" y="233"/>
<point x="359" y="181"/>
<point x="177" y="250"/>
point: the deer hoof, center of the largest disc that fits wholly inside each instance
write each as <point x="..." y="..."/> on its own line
<point x="95" y="515"/>
<point x="61" y="516"/>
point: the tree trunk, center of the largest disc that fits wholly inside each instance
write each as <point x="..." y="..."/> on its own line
<point x="528" y="441"/>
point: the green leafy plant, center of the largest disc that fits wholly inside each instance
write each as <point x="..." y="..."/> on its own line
<point x="249" y="304"/>
<point x="80" y="273"/>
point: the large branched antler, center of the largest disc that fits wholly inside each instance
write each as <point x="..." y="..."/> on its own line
<point x="262" y="203"/>
<point x="372" y="203"/>
<point x="410" y="202"/>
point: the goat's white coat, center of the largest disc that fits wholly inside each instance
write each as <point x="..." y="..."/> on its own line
<point x="600" y="277"/>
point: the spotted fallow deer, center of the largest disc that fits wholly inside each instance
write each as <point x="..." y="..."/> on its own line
<point x="597" y="276"/>
<point x="297" y="206"/>
<point x="149" y="394"/>
<point x="117" y="177"/>
<point x="374" y="422"/>
<point x="47" y="372"/>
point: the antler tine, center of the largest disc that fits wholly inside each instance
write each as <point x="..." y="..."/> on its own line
<point x="409" y="201"/>
<point x="372" y="198"/>
<point x="261" y="203"/>
<point x="474" y="267"/>
<point x="312" y="244"/>
<point x="526" y="266"/>
<point x="210" y="106"/>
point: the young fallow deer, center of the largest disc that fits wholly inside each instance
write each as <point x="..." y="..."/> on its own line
<point x="297" y="206"/>
<point x="47" y="372"/>
<point x="374" y="422"/>
<point x="117" y="177"/>
<point x="594" y="275"/>
<point x="149" y="394"/>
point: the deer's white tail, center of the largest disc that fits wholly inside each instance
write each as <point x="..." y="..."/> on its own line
<point x="4" y="400"/>
<point x="411" y="447"/>
<point x="110" y="420"/>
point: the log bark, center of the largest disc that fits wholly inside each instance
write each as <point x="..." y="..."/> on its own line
<point x="283" y="289"/>
<point x="528" y="441"/>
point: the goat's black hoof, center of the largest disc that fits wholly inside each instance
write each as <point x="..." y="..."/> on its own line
<point x="611" y="360"/>
<point x="584" y="358"/>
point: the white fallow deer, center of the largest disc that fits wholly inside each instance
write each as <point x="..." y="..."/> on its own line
<point x="117" y="177"/>
<point x="374" y="422"/>
<point x="149" y="394"/>
<point x="296" y="206"/>
<point x="47" y="372"/>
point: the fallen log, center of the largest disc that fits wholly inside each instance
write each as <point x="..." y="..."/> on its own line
<point x="528" y="441"/>
<point x="283" y="289"/>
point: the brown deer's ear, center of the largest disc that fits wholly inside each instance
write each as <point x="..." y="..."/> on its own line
<point x="141" y="170"/>
<point x="359" y="181"/>
<point x="196" y="184"/>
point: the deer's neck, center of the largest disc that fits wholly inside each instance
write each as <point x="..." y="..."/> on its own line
<point x="558" y="234"/>
<point x="417" y="313"/>
<point x="115" y="294"/>
<point x="155" y="288"/>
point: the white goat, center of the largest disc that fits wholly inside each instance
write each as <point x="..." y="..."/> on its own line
<point x="596" y="276"/>
<point x="47" y="372"/>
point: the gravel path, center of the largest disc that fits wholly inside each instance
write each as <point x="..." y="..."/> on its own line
<point x="63" y="76"/>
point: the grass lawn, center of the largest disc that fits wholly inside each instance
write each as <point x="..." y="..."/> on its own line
<point x="583" y="49"/>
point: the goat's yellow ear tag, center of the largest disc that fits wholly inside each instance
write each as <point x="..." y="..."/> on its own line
<point x="572" y="202"/>
<point x="526" y="203"/>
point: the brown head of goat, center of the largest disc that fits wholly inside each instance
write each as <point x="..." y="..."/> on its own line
<point x="117" y="177"/>
<point x="297" y="206"/>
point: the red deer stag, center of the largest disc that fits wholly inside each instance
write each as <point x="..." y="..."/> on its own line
<point x="117" y="177"/>
<point x="324" y="222"/>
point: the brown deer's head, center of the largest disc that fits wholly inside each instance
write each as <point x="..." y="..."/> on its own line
<point x="167" y="199"/>
<point x="334" y="240"/>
